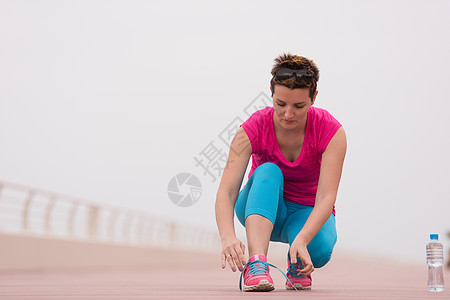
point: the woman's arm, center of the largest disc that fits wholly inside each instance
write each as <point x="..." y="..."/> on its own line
<point x="230" y="183"/>
<point x="330" y="175"/>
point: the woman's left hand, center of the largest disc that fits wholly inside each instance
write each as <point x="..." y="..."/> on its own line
<point x="298" y="249"/>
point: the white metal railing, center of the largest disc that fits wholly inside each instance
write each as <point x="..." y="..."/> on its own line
<point x="31" y="211"/>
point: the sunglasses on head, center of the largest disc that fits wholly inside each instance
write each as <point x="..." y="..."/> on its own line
<point x="285" y="73"/>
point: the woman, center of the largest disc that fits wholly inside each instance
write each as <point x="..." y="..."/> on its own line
<point x="297" y="155"/>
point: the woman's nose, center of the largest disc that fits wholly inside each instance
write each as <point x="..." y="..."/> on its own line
<point x="288" y="113"/>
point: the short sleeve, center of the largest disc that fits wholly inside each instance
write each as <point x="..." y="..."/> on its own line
<point x="252" y="127"/>
<point x="328" y="128"/>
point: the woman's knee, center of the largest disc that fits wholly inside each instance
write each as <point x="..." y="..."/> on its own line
<point x="320" y="257"/>
<point x="321" y="248"/>
<point x="268" y="172"/>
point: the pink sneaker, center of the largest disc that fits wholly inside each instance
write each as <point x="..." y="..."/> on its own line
<point x="256" y="275"/>
<point x="299" y="282"/>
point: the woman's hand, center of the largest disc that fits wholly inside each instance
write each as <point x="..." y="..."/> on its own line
<point x="233" y="253"/>
<point x="298" y="249"/>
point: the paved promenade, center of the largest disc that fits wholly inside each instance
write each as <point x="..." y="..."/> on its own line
<point x="342" y="278"/>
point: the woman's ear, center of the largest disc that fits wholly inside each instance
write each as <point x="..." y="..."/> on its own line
<point x="314" y="98"/>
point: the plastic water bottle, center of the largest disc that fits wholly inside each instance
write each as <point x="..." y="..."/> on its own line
<point x="435" y="261"/>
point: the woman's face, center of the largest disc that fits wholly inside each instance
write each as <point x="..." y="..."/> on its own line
<point x="291" y="107"/>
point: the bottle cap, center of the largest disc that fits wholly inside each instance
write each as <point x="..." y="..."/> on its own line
<point x="434" y="236"/>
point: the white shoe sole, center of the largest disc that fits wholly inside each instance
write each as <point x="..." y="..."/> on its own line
<point x="262" y="286"/>
<point x="298" y="286"/>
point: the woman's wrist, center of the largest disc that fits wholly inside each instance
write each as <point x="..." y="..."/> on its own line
<point x="301" y="239"/>
<point x="227" y="237"/>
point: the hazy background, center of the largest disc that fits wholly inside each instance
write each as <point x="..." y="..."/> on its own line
<point x="108" y="100"/>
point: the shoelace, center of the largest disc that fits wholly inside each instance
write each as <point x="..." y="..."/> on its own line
<point x="293" y="268"/>
<point x="258" y="270"/>
<point x="293" y="271"/>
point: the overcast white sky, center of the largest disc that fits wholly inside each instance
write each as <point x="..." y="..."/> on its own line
<point x="108" y="100"/>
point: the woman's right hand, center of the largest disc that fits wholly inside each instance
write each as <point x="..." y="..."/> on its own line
<point x="233" y="253"/>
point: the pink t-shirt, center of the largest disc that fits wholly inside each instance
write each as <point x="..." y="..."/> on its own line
<point x="301" y="176"/>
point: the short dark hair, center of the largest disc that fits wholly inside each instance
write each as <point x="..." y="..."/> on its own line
<point x="295" y="62"/>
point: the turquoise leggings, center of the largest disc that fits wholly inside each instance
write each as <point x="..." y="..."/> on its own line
<point x="263" y="195"/>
